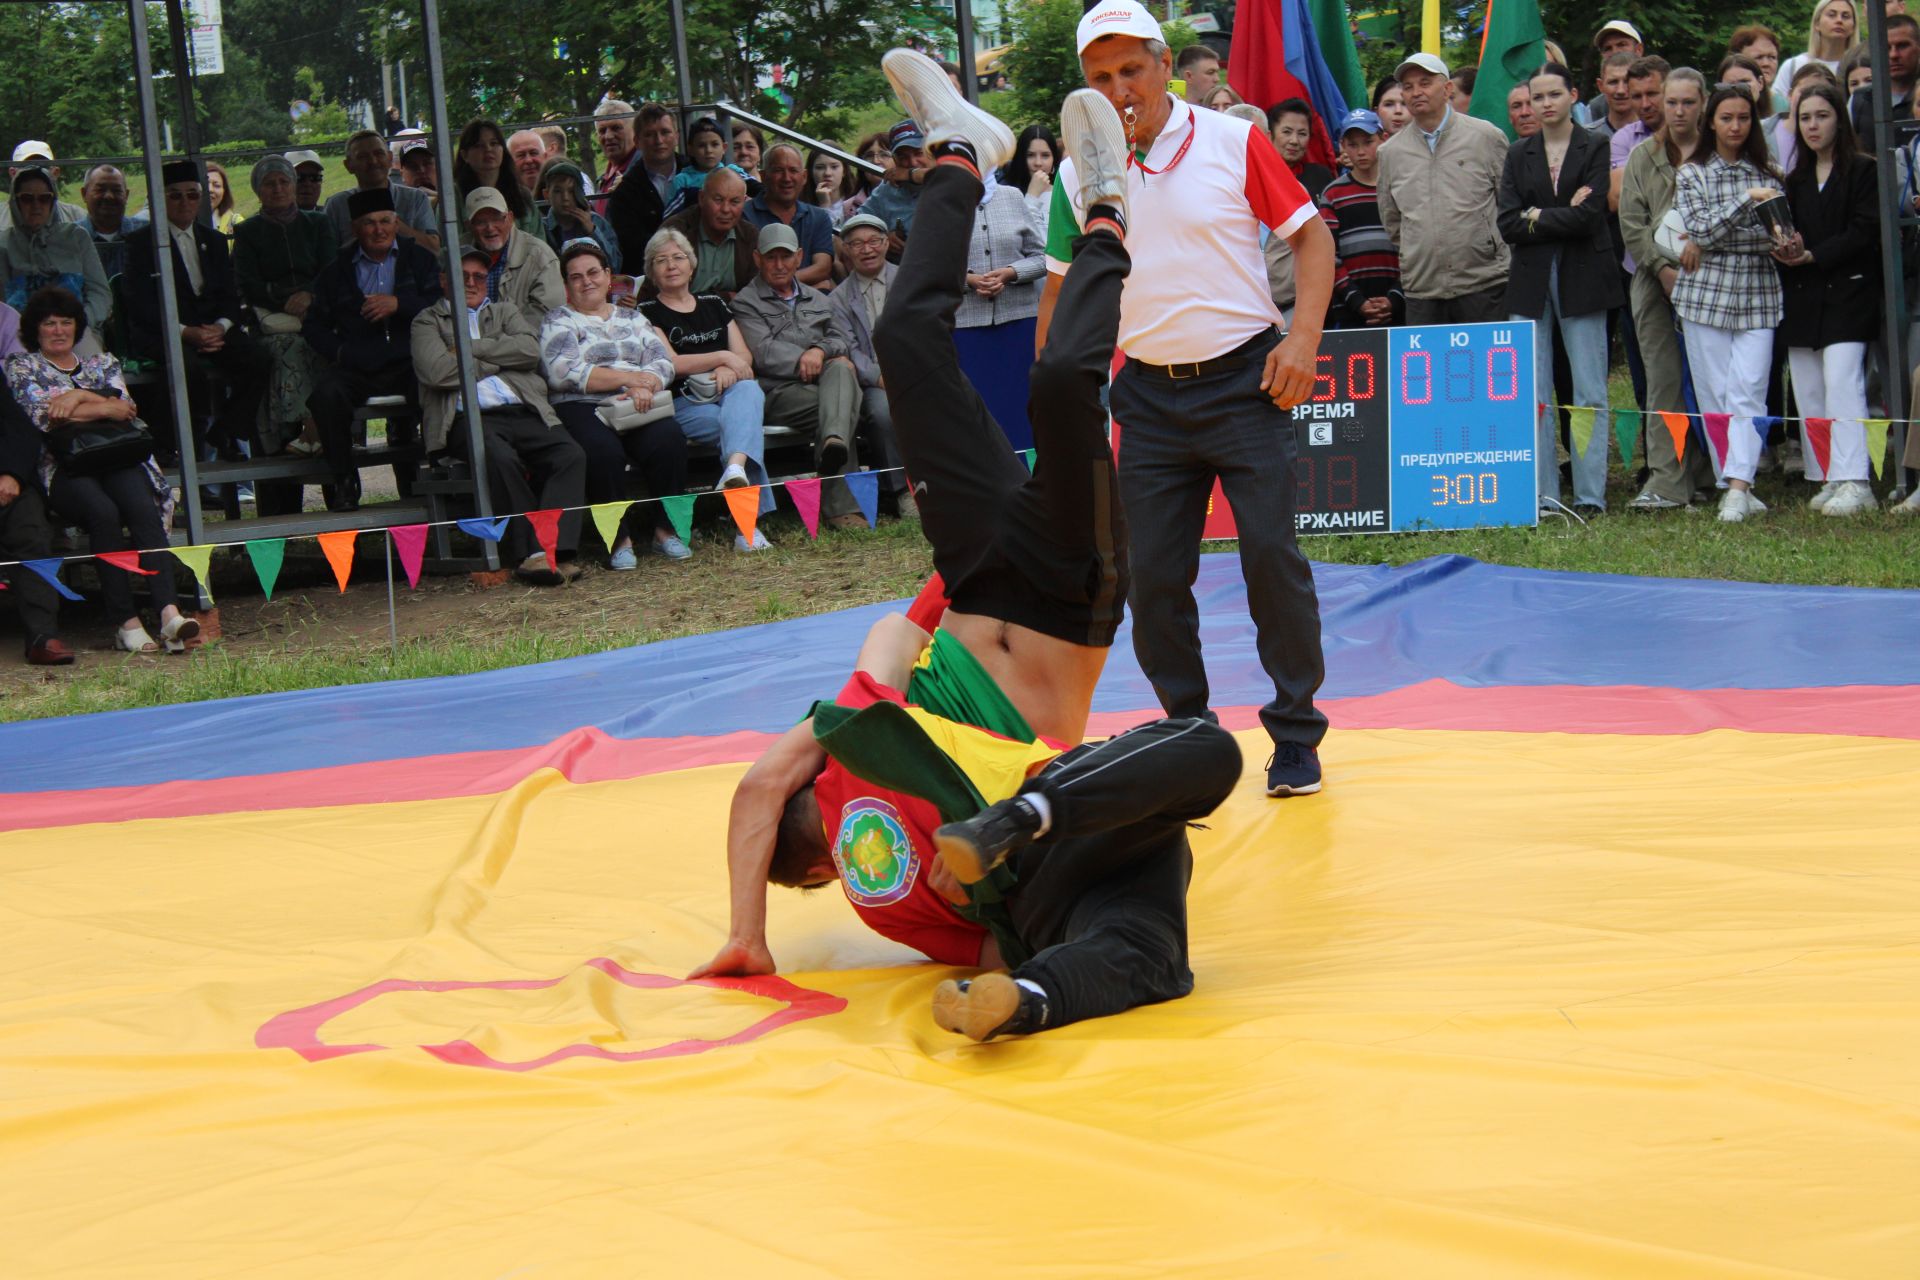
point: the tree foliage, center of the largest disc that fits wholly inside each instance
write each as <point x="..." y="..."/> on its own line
<point x="1044" y="66"/>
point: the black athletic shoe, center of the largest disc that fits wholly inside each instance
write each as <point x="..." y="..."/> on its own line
<point x="1293" y="770"/>
<point x="975" y="846"/>
<point x="990" y="1005"/>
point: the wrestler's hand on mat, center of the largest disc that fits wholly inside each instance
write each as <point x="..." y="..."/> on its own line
<point x="1289" y="373"/>
<point x="945" y="883"/>
<point x="737" y="959"/>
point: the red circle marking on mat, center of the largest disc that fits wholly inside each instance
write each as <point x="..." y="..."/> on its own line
<point x="299" y="1029"/>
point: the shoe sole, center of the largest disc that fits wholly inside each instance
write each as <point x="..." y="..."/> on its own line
<point x="1089" y="126"/>
<point x="833" y="459"/>
<point x="930" y="99"/>
<point x="980" y="1010"/>
<point x="969" y="862"/>
<point x="1282" y="791"/>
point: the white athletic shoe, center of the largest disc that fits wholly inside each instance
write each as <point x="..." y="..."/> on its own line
<point x="1911" y="507"/>
<point x="1850" y="498"/>
<point x="1819" y="501"/>
<point x="1091" y="132"/>
<point x="943" y="114"/>
<point x="1739" y="504"/>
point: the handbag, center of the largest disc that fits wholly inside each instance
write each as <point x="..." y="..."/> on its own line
<point x="95" y="448"/>
<point x="624" y="415"/>
<point x="278" y="322"/>
<point x="1671" y="234"/>
<point x="700" y="388"/>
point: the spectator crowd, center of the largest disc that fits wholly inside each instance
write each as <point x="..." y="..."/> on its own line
<point x="1721" y="228"/>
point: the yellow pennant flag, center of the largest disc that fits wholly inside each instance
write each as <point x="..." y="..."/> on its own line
<point x="196" y="558"/>
<point x="1877" y="429"/>
<point x="1580" y="425"/>
<point x="606" y="518"/>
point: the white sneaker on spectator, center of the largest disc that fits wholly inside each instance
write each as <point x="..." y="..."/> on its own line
<point x="1851" y="498"/>
<point x="734" y="477"/>
<point x="928" y="96"/>
<point x="1651" y="501"/>
<point x="1819" y="501"/>
<point x="1739" y="504"/>
<point x="759" y="542"/>
<point x="1091" y="132"/>
<point x="1910" y="507"/>
<point x="672" y="548"/>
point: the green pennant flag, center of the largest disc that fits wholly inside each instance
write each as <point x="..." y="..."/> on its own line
<point x="1333" y="31"/>
<point x="1626" y="429"/>
<point x="680" y="513"/>
<point x="1513" y="48"/>
<point x="1027" y="456"/>
<point x="196" y="559"/>
<point x="606" y="518"/>
<point x="1877" y="429"/>
<point x="267" y="554"/>
<point x="1580" y="427"/>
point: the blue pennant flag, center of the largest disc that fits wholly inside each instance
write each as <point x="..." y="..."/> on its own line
<point x="50" y="570"/>
<point x="486" y="530"/>
<point x="1765" y="427"/>
<point x="865" y="488"/>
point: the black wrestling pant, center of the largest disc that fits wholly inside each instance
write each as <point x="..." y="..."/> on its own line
<point x="1102" y="898"/>
<point x="1046" y="551"/>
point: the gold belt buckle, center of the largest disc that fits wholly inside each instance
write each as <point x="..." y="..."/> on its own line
<point x="1173" y="371"/>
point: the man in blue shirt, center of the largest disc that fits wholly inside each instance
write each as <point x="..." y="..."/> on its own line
<point x="893" y="201"/>
<point x="783" y="175"/>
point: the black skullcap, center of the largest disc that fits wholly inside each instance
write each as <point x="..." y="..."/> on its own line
<point x="179" y="171"/>
<point x="362" y="203"/>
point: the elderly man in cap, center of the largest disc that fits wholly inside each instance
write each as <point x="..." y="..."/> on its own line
<point x="783" y="177"/>
<point x="209" y="318"/>
<point x="857" y="303"/>
<point x="894" y="199"/>
<point x="1208" y="379"/>
<point x="371" y="164"/>
<point x="309" y="179"/>
<point x="801" y="358"/>
<point x="532" y="463"/>
<point x="35" y="154"/>
<point x="723" y="241"/>
<point x="360" y="320"/>
<point x="520" y="268"/>
<point x="1439" y="191"/>
<point x="107" y="220"/>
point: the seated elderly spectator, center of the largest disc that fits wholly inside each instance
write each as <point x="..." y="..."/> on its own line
<point x="212" y="338"/>
<point x="370" y="163"/>
<point x="569" y="215"/>
<point x="39" y="250"/>
<point x="527" y="153"/>
<point x="24" y="534"/>
<point x="532" y="463"/>
<point x="34" y="154"/>
<point x="520" y="268"/>
<point x="107" y="220"/>
<point x="360" y="321"/>
<point x="706" y="155"/>
<point x="801" y="356"/>
<point x="639" y="204"/>
<point x="480" y="160"/>
<point x="721" y="238"/>
<point x="419" y="169"/>
<point x="121" y="508"/>
<point x="715" y="398"/>
<point x="783" y="176"/>
<point x="895" y="199"/>
<point x="857" y="304"/>
<point x="277" y="253"/>
<point x="604" y="366"/>
<point x="309" y="179"/>
<point x="613" y="131"/>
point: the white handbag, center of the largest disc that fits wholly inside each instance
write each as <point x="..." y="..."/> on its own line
<point x="1671" y="234"/>
<point x="623" y="414"/>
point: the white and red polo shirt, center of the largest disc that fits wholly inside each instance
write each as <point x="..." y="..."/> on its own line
<point x="1199" y="283"/>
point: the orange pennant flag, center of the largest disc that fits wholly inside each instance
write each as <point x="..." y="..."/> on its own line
<point x="1677" y="428"/>
<point x="744" y="503"/>
<point x="338" y="546"/>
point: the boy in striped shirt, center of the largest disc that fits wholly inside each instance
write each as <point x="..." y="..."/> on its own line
<point x="1366" y="283"/>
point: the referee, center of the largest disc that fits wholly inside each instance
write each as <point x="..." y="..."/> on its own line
<point x="1208" y="378"/>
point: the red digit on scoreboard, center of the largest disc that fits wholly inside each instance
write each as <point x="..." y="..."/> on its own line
<point x="1425" y="373"/>
<point x="1358" y="363"/>
<point x="1324" y="386"/>
<point x="1511" y="373"/>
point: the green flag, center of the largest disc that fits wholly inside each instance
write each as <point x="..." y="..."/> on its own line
<point x="680" y="514"/>
<point x="1626" y="429"/>
<point x="267" y="554"/>
<point x="1512" y="51"/>
<point x="1334" y="31"/>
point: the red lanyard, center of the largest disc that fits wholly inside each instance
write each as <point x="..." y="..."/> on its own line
<point x="1178" y="156"/>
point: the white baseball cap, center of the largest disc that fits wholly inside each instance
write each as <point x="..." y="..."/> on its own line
<point x="1116" y="18"/>
<point x="1425" y="61"/>
<point x="32" y="149"/>
<point x="298" y="158"/>
<point x="1621" y="25"/>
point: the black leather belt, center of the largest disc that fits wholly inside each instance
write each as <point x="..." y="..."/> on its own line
<point x="1253" y="347"/>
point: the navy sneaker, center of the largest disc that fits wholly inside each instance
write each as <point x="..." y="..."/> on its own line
<point x="974" y="846"/>
<point x="1293" y="770"/>
<point x="990" y="1005"/>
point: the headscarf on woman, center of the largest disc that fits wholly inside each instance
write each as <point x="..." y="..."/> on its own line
<point x="55" y="253"/>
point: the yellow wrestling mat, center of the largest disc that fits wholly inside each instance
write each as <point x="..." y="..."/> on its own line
<point x="1495" y="1004"/>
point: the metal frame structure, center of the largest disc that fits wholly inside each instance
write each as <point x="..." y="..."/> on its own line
<point x="1889" y="136"/>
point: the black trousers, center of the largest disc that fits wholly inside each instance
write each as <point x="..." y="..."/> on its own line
<point x="244" y="367"/>
<point x="1046" y="551"/>
<point x="658" y="451"/>
<point x="1102" y="899"/>
<point x="24" y="536"/>
<point x="530" y="467"/>
<point x="338" y="395"/>
<point x="117" y="511"/>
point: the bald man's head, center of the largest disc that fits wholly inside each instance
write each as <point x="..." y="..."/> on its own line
<point x="527" y="151"/>
<point x="723" y="197"/>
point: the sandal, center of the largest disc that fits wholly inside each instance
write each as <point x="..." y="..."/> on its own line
<point x="134" y="640"/>
<point x="183" y="628"/>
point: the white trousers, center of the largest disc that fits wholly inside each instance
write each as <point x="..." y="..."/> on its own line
<point x="1730" y="376"/>
<point x="1831" y="382"/>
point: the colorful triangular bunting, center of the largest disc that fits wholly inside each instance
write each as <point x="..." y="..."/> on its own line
<point x="546" y="532"/>
<point x="483" y="529"/>
<point x="410" y="540"/>
<point x="680" y="514"/>
<point x="267" y="554"/>
<point x="1676" y="425"/>
<point x="128" y="560"/>
<point x="744" y="503"/>
<point x="49" y="569"/>
<point x="197" y="560"/>
<point x="1626" y="429"/>
<point x="1027" y="456"/>
<point x="1820" y="441"/>
<point x="806" y="500"/>
<point x="1580" y="427"/>
<point x="606" y="518"/>
<point x="1877" y="429"/>
<point x="338" y="547"/>
<point x="865" y="488"/>
<point x="1717" y="425"/>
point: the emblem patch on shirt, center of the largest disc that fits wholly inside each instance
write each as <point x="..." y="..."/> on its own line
<point x="875" y="854"/>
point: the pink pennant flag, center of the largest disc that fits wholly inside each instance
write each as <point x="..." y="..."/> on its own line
<point x="1717" y="424"/>
<point x="128" y="560"/>
<point x="1820" y="440"/>
<point x="744" y="502"/>
<point x="410" y="540"/>
<point x="806" y="500"/>
<point x="338" y="546"/>
<point x="546" y="531"/>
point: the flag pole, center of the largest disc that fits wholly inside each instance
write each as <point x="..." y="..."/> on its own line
<point x="1430" y="26"/>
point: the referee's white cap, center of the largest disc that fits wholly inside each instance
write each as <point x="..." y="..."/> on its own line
<point x="1117" y="18"/>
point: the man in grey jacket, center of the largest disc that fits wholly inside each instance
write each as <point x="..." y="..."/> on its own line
<point x="802" y="357"/>
<point x="521" y="269"/>
<point x="522" y="435"/>
<point x="1439" y="200"/>
<point x="858" y="302"/>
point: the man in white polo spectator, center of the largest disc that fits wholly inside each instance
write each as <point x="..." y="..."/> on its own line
<point x="1208" y="378"/>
